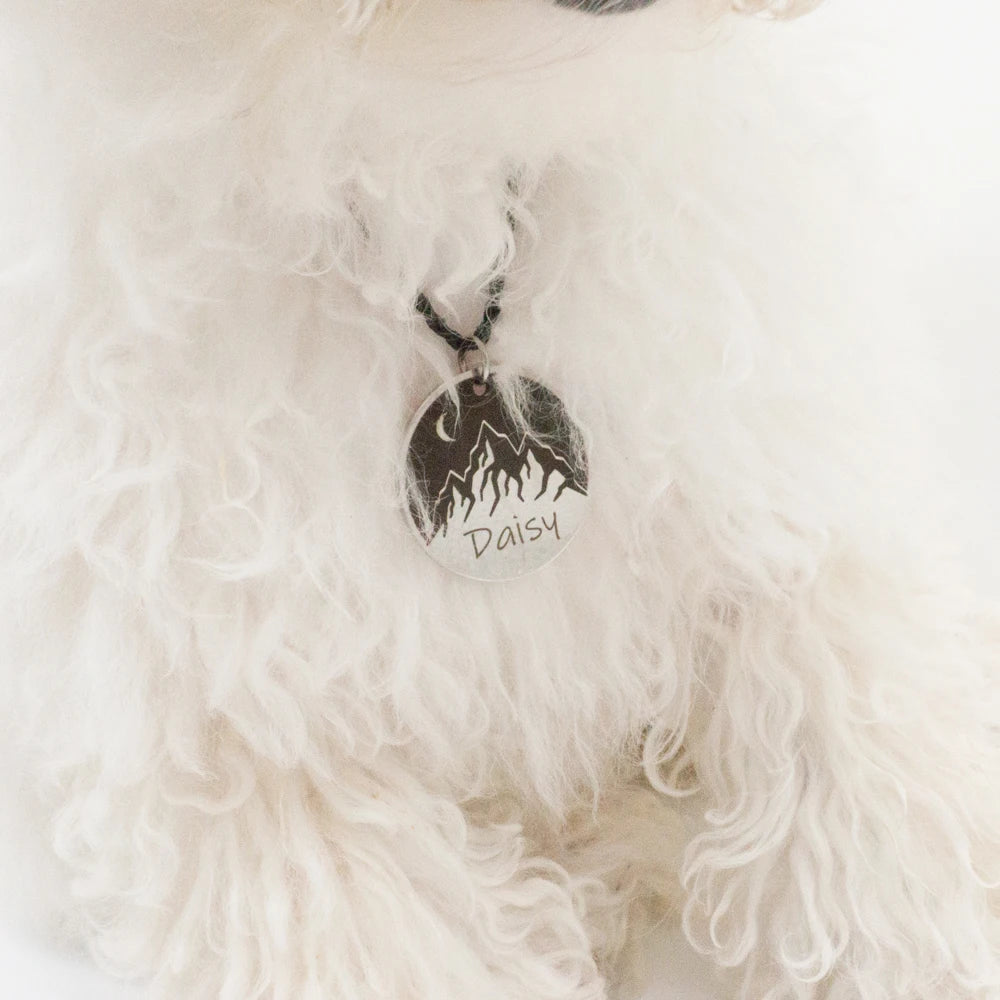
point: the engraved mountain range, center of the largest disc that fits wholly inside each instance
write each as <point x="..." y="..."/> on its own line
<point x="467" y="452"/>
<point x="498" y="468"/>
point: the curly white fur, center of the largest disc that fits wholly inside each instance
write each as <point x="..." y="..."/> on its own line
<point x="279" y="753"/>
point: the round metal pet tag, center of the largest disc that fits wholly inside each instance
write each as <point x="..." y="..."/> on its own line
<point x="489" y="500"/>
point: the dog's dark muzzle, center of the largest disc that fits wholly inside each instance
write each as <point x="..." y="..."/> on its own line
<point x="605" y="6"/>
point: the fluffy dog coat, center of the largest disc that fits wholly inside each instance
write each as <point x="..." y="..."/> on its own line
<point x="275" y="751"/>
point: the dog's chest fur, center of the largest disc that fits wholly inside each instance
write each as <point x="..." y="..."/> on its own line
<point x="223" y="454"/>
<point x="313" y="621"/>
<point x="217" y="359"/>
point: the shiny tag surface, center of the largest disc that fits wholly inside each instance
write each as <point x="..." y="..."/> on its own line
<point x="488" y="500"/>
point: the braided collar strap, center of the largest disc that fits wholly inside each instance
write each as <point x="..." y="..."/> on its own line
<point x="455" y="340"/>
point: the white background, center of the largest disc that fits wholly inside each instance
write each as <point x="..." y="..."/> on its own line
<point x="937" y="95"/>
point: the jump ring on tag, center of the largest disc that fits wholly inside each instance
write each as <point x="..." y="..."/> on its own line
<point x="474" y="358"/>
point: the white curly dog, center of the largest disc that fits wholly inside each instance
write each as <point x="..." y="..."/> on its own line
<point x="269" y="748"/>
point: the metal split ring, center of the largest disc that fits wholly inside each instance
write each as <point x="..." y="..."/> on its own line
<point x="474" y="358"/>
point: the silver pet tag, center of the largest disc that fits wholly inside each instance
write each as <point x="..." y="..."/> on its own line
<point x="487" y="500"/>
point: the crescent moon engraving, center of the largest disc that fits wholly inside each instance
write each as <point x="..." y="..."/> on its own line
<point x="441" y="432"/>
